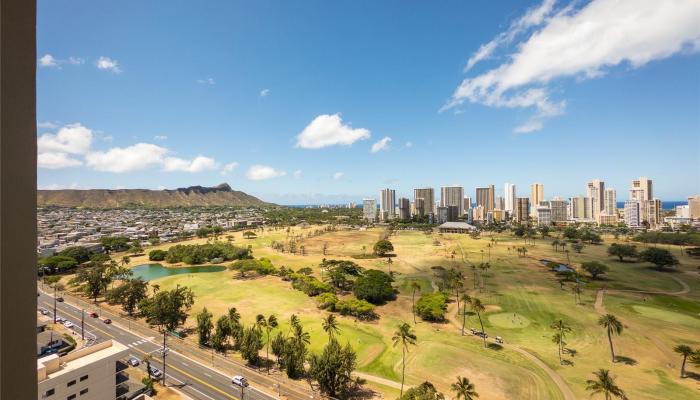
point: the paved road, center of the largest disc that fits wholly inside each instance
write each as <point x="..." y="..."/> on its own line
<point x="192" y="378"/>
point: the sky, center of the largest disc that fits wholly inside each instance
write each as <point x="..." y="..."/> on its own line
<point x="312" y="102"/>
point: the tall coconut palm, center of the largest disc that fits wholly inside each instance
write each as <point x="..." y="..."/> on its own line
<point x="404" y="336"/>
<point x="613" y="326"/>
<point x="605" y="383"/>
<point x="562" y="329"/>
<point x="555" y="244"/>
<point x="466" y="299"/>
<point x="268" y="324"/>
<point x="685" y="351"/>
<point x="478" y="308"/>
<point x="464" y="389"/>
<point x="330" y="326"/>
<point x="416" y="287"/>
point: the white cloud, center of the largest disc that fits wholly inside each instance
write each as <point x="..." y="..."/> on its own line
<point x="47" y="60"/>
<point x="228" y="168"/>
<point x="72" y="139"/>
<point x="75" y="61"/>
<point x="53" y="160"/>
<point x="261" y="172"/>
<point x="128" y="159"/>
<point x="329" y="130"/>
<point x="533" y="17"/>
<point x="409" y="145"/>
<point x="46" y="125"/>
<point x="264" y="92"/>
<point x="297" y="174"/>
<point x="58" y="186"/>
<point x="207" y="81"/>
<point x="338" y="175"/>
<point x="108" y="64"/>
<point x="383" y="144"/>
<point x="582" y="43"/>
<point x="197" y="164"/>
<point x="160" y="137"/>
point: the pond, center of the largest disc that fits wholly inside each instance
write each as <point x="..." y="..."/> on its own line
<point x="148" y="272"/>
<point x="560" y="267"/>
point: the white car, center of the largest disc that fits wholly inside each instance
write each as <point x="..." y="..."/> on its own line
<point x="239" y="381"/>
<point x="68" y="324"/>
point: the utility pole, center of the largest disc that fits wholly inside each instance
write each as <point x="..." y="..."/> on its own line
<point x="82" y="324"/>
<point x="54" y="303"/>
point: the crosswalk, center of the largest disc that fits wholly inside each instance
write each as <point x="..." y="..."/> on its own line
<point x="137" y="343"/>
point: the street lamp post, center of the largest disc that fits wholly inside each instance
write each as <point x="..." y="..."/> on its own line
<point x="82" y="324"/>
<point x="54" y="304"/>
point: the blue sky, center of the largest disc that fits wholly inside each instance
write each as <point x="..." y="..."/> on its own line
<point x="288" y="100"/>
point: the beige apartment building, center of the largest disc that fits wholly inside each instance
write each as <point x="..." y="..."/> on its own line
<point x="91" y="373"/>
<point x="536" y="195"/>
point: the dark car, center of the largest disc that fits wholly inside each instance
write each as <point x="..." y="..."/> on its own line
<point x="134" y="362"/>
<point x="59" y="299"/>
<point x="93" y="315"/>
<point x="107" y="321"/>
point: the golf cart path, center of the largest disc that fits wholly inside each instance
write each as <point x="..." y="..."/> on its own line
<point x="380" y="380"/>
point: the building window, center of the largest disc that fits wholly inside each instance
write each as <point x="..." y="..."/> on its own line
<point x="71" y="397"/>
<point x="84" y="377"/>
<point x="49" y="392"/>
<point x="82" y="392"/>
<point x="71" y="383"/>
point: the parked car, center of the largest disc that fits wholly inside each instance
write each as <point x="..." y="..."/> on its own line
<point x="68" y="324"/>
<point x="59" y="299"/>
<point x="160" y="351"/>
<point x="60" y="320"/>
<point x="93" y="315"/>
<point x="499" y="339"/>
<point x="155" y="372"/>
<point x="134" y="362"/>
<point x="107" y="321"/>
<point x="239" y="381"/>
<point x="44" y="311"/>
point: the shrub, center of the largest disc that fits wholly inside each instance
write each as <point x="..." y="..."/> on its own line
<point x="374" y="286"/>
<point x="261" y="266"/>
<point x="309" y="284"/>
<point x="157" y="255"/>
<point x="432" y="306"/>
<point x="357" y="308"/>
<point x="327" y="301"/>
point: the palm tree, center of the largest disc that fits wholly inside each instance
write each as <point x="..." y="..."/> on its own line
<point x="605" y="384"/>
<point x="555" y="244"/>
<point x="613" y="326"/>
<point x="404" y="336"/>
<point x="466" y="299"/>
<point x="268" y="324"/>
<point x="330" y="326"/>
<point x="478" y="307"/>
<point x="416" y="287"/>
<point x="147" y="360"/>
<point x="562" y="329"/>
<point x="685" y="351"/>
<point x="464" y="389"/>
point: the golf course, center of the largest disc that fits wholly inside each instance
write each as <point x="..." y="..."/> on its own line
<point x="522" y="298"/>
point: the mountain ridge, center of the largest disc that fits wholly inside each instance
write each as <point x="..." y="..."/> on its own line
<point x="191" y="196"/>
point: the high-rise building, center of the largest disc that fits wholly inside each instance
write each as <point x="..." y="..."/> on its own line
<point x="641" y="189"/>
<point x="369" y="209"/>
<point x="478" y="213"/>
<point x="387" y="203"/>
<point x="485" y="197"/>
<point x="419" y="207"/>
<point x="544" y="215"/>
<point x="651" y="213"/>
<point x="452" y="196"/>
<point x="522" y="209"/>
<point x="500" y="203"/>
<point x="428" y="196"/>
<point x="694" y="207"/>
<point x="632" y="214"/>
<point x="580" y="208"/>
<point x="610" y="202"/>
<point x="467" y="204"/>
<point x="404" y="208"/>
<point x="536" y="195"/>
<point x="509" y="195"/>
<point x="94" y="372"/>
<point x="595" y="190"/>
<point x="558" y="208"/>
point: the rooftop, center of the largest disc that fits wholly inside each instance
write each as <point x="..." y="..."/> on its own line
<point x="52" y="366"/>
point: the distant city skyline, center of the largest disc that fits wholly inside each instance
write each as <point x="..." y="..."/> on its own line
<point x="328" y="102"/>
